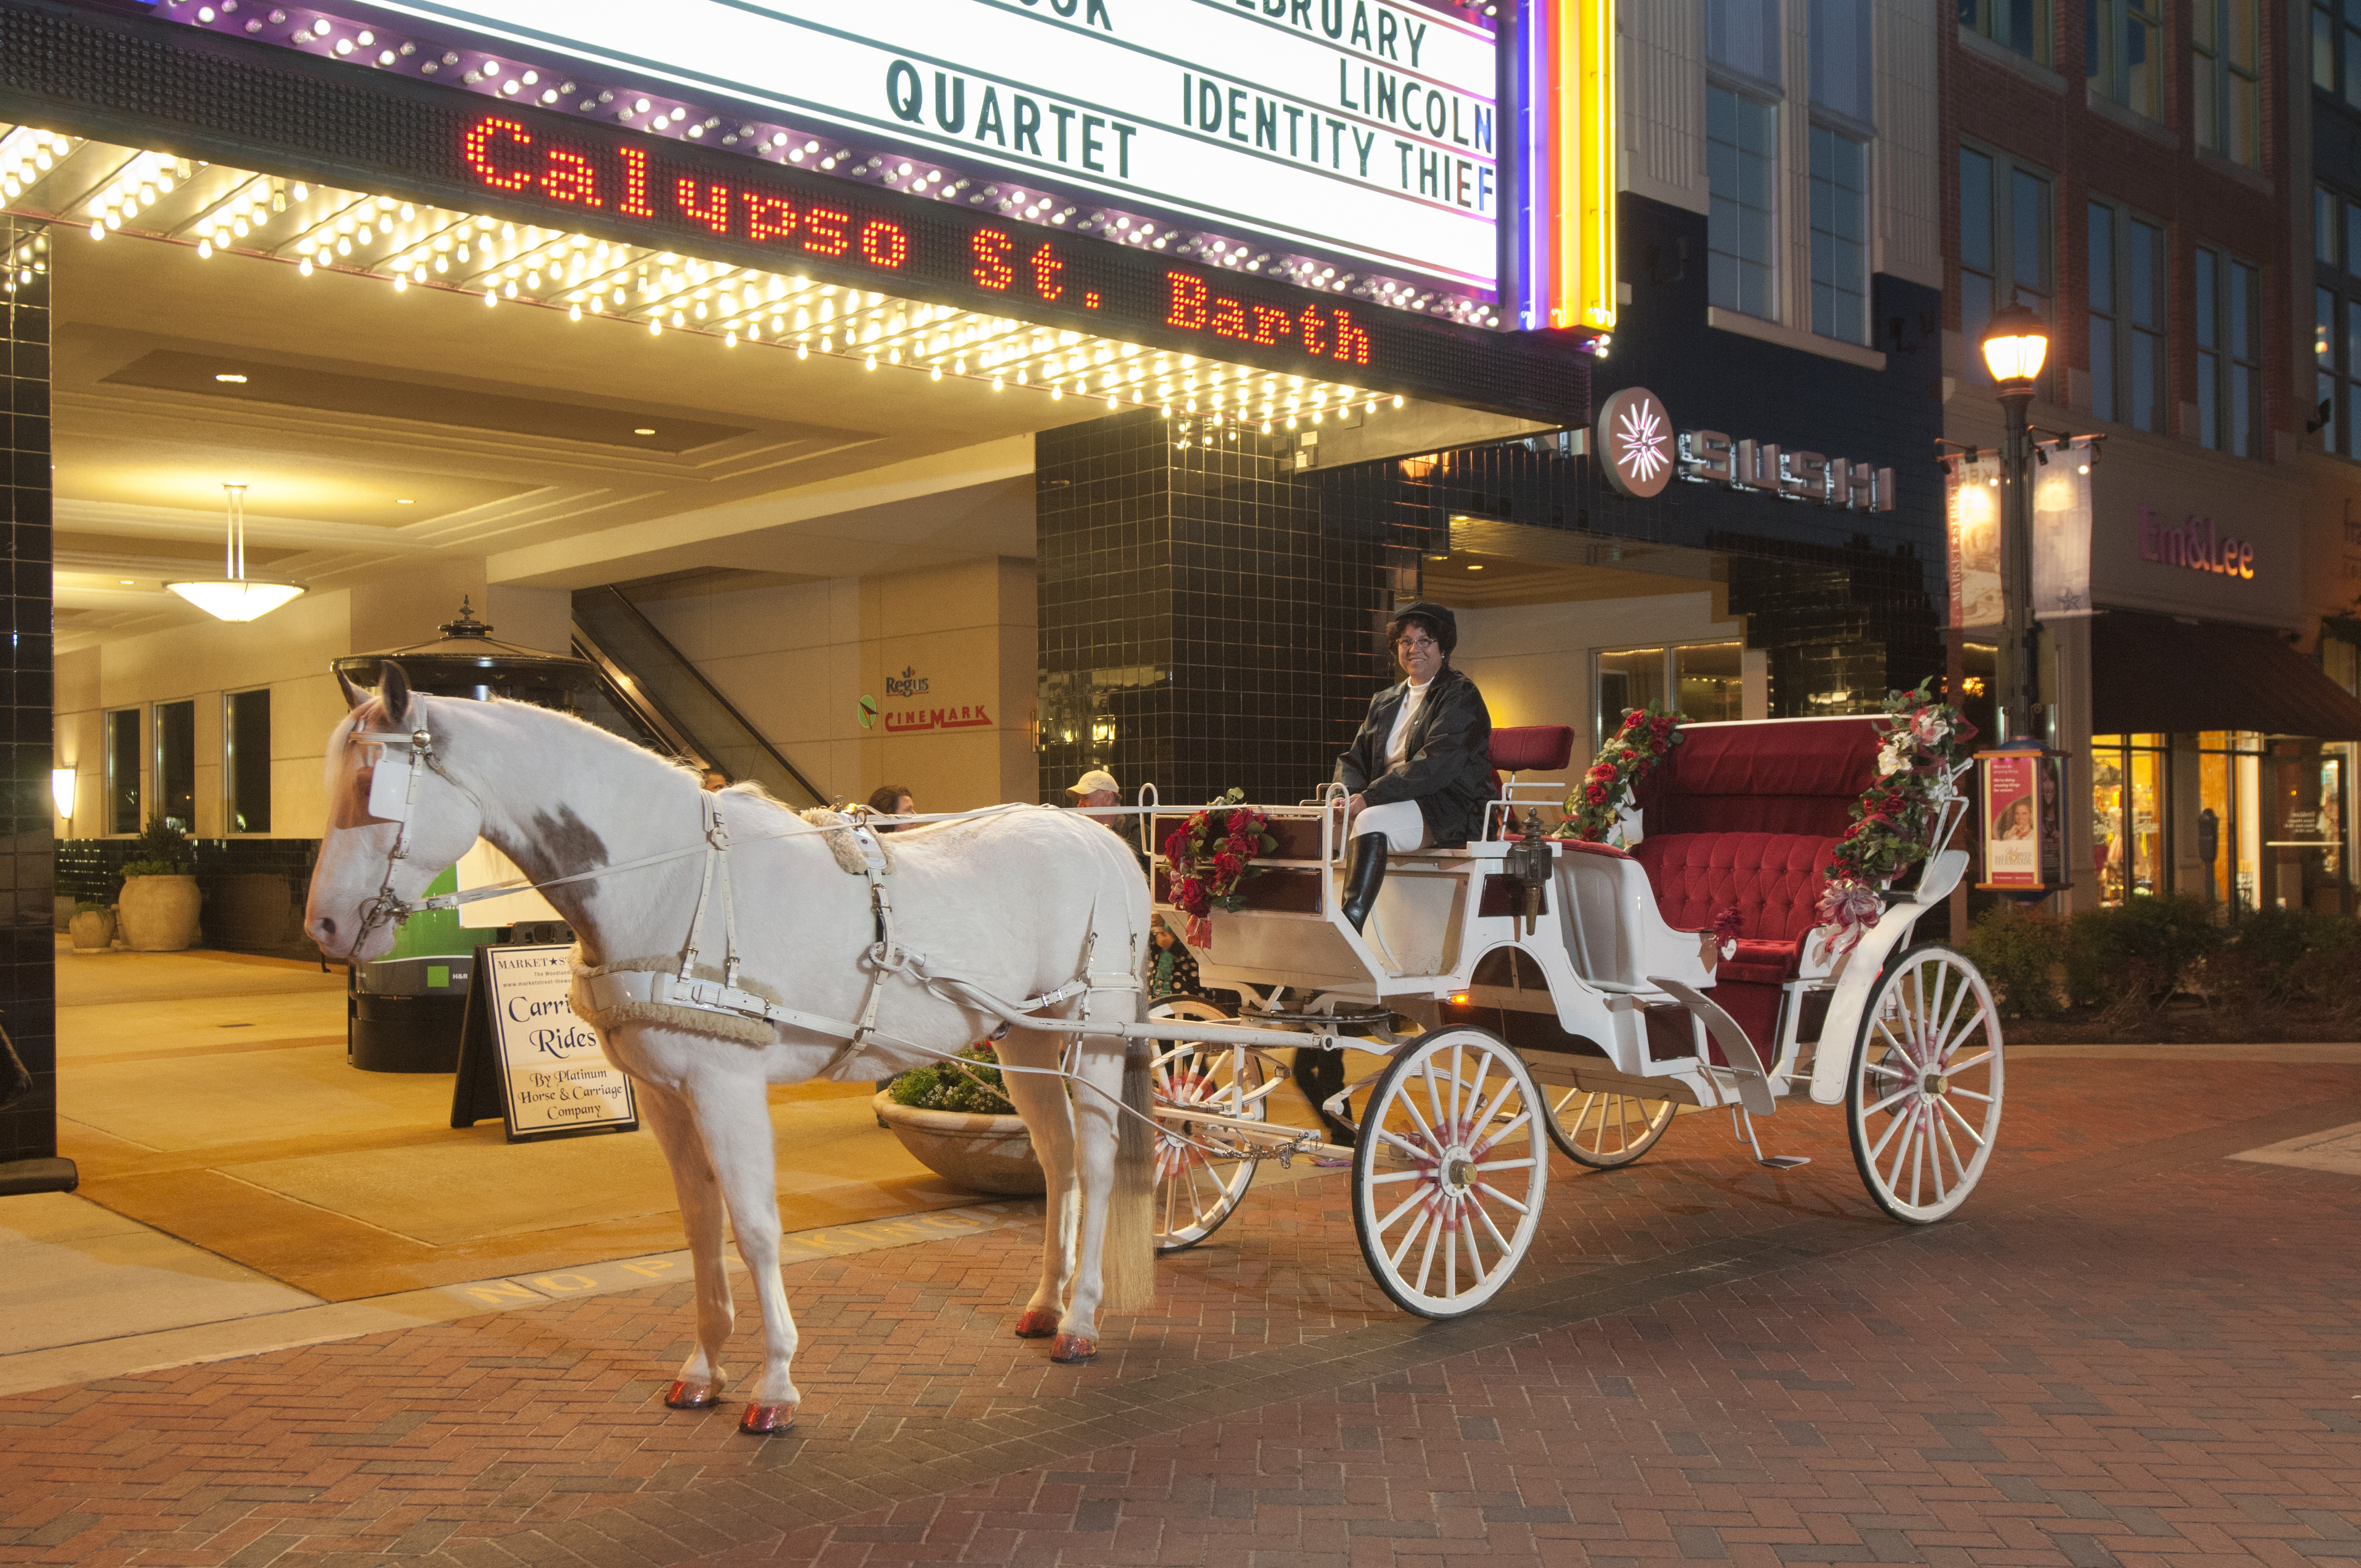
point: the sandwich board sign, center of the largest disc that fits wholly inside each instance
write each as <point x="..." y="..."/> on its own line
<point x="526" y="1058"/>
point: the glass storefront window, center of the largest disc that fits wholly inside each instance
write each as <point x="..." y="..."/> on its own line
<point x="1711" y="680"/>
<point x="1627" y="678"/>
<point x="2303" y="820"/>
<point x="2128" y="816"/>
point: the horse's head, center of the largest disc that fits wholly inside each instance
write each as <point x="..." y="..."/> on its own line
<point x="395" y="819"/>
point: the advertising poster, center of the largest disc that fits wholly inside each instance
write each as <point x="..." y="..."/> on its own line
<point x="1972" y="515"/>
<point x="553" y="1079"/>
<point x="2013" y="821"/>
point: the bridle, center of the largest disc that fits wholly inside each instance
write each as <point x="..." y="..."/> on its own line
<point x="393" y="794"/>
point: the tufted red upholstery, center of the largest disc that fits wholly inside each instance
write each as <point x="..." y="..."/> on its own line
<point x="1795" y="776"/>
<point x="1548" y="747"/>
<point x="1772" y="878"/>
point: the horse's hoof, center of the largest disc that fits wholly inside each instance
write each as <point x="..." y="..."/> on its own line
<point x="766" y="1420"/>
<point x="1073" y="1350"/>
<point x="688" y="1395"/>
<point x="1039" y="1323"/>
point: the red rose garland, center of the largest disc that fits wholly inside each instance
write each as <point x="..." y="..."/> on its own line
<point x="1630" y="755"/>
<point x="1209" y="855"/>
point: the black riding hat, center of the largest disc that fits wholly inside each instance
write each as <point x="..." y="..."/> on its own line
<point x="1440" y="624"/>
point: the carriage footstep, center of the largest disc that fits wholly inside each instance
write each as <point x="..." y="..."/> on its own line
<point x="688" y="1395"/>
<point x="1074" y="1350"/>
<point x="1040" y="1324"/>
<point x="766" y="1420"/>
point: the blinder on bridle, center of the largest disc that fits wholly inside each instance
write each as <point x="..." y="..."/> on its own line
<point x="394" y="780"/>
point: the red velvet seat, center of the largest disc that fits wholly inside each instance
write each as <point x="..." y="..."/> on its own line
<point x="1744" y="816"/>
<point x="1523" y="747"/>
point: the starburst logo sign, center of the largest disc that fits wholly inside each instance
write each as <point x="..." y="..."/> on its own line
<point x="1635" y="436"/>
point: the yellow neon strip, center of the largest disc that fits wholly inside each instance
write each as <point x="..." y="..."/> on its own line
<point x="1595" y="262"/>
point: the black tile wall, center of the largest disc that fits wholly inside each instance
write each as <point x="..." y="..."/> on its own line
<point x="1206" y="620"/>
<point x="253" y="888"/>
<point x="29" y="1130"/>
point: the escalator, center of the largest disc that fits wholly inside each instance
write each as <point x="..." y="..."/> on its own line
<point x="648" y="692"/>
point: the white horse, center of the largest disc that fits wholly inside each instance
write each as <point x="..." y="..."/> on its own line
<point x="1018" y="903"/>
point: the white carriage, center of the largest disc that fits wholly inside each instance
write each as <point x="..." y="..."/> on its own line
<point x="1521" y="986"/>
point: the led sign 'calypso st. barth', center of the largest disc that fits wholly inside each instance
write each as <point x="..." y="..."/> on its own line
<point x="632" y="182"/>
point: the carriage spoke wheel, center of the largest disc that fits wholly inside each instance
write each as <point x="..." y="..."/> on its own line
<point x="1195" y="1192"/>
<point x="1449" y="1171"/>
<point x="1604" y="1130"/>
<point x="1923" y="1098"/>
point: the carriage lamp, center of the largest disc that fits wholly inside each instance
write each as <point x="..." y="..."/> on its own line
<point x="61" y="790"/>
<point x="234" y="595"/>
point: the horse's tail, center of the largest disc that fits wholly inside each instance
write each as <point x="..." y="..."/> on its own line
<point x="1130" y="1248"/>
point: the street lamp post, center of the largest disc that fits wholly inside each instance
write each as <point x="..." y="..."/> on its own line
<point x="2015" y="346"/>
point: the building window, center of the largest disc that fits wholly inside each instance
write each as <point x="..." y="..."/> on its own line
<point x="2128" y="379"/>
<point x="2336" y="47"/>
<point x="1843" y="74"/>
<point x="2128" y="816"/>
<point x="2005" y="244"/>
<point x="1707" y="682"/>
<point x="2020" y="25"/>
<point x="1743" y="36"/>
<point x="2126" y="59"/>
<point x="123" y="771"/>
<point x="176" y="764"/>
<point x="1839" y="236"/>
<point x="2324" y="359"/>
<point x="246" y="759"/>
<point x="1741" y="165"/>
<point x="2227" y="100"/>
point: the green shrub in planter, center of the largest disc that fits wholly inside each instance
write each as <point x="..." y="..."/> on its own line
<point x="161" y="850"/>
<point x="2139" y="953"/>
<point x="969" y="1082"/>
<point x="2018" y="952"/>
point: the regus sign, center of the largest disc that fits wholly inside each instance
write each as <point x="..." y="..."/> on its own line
<point x="1346" y="127"/>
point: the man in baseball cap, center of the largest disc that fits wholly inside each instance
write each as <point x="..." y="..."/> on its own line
<point x="1096" y="787"/>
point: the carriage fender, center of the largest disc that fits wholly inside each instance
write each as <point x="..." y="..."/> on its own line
<point x="1832" y="1058"/>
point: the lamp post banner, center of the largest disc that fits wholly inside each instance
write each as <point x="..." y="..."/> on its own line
<point x="1972" y="540"/>
<point x="2061" y="533"/>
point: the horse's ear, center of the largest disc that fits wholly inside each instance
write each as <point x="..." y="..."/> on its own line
<point x="394" y="691"/>
<point x="353" y="694"/>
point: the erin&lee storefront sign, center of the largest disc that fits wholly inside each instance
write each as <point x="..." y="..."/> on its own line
<point x="2196" y="545"/>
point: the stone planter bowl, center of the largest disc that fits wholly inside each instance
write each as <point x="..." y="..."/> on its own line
<point x="983" y="1154"/>
<point x="93" y="930"/>
<point x="159" y="913"/>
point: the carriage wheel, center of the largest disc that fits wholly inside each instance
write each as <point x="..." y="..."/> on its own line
<point x="1449" y="1171"/>
<point x="1196" y="1191"/>
<point x="1604" y="1130"/>
<point x="1923" y="1098"/>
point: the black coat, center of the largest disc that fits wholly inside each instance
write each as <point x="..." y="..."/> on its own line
<point x="1449" y="766"/>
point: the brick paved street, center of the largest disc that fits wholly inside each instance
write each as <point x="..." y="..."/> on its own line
<point x="2130" y="1349"/>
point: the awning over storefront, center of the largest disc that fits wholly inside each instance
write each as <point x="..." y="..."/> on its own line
<point x="2153" y="674"/>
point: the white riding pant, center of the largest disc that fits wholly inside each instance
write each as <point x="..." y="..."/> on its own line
<point x="1400" y="821"/>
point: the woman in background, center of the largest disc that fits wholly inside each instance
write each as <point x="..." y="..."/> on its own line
<point x="892" y="800"/>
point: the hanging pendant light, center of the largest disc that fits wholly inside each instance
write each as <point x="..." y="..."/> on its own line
<point x="236" y="596"/>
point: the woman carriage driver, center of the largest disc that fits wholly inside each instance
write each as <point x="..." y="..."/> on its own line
<point x="1419" y="773"/>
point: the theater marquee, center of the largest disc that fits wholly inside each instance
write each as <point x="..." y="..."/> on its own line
<point x="1351" y="128"/>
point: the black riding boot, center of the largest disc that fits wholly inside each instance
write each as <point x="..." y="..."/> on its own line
<point x="1368" y="873"/>
<point x="1321" y="1073"/>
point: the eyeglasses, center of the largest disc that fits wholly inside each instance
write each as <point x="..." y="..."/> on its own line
<point x="1415" y="644"/>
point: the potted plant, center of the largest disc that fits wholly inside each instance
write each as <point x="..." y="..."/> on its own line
<point x="92" y="926"/>
<point x="160" y="903"/>
<point x="956" y="1118"/>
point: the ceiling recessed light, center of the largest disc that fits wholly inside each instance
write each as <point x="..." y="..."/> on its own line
<point x="404" y="502"/>
<point x="230" y="375"/>
<point x="1473" y="567"/>
<point x="644" y="430"/>
<point x="126" y="582"/>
